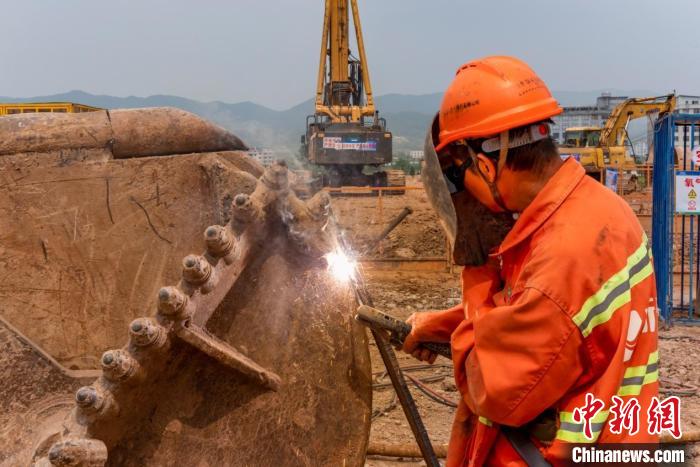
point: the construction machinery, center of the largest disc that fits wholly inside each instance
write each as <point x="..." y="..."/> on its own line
<point x="244" y="353"/>
<point x="345" y="137"/>
<point x="597" y="148"/>
<point x="44" y="107"/>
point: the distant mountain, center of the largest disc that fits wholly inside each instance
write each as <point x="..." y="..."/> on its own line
<point x="407" y="116"/>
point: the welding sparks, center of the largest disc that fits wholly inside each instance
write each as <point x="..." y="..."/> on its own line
<point x="341" y="266"/>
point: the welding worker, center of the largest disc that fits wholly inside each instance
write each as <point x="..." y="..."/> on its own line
<point x="562" y="307"/>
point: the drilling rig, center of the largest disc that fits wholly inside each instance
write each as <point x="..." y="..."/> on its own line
<point x="345" y="135"/>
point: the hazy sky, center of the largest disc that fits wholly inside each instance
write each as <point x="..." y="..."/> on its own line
<point x="266" y="51"/>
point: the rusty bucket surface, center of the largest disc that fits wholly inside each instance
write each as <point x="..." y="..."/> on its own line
<point x="243" y="354"/>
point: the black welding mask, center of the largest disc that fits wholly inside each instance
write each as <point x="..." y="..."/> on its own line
<point x="471" y="228"/>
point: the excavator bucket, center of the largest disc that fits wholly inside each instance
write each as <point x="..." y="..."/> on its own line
<point x="165" y="301"/>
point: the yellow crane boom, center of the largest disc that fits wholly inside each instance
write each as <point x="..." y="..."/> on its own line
<point x="615" y="130"/>
<point x="345" y="135"/>
<point x="343" y="90"/>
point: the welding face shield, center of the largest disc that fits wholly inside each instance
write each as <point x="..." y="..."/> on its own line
<point x="471" y="228"/>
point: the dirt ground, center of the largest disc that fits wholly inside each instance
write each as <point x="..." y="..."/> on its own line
<point x="402" y="293"/>
<point x="364" y="217"/>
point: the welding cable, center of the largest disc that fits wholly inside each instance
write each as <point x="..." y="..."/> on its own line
<point x="432" y="394"/>
<point x="420" y="384"/>
<point x="379" y="376"/>
<point x="680" y="337"/>
<point x="410" y="368"/>
<point x="427" y="379"/>
<point x="678" y="392"/>
<point x="426" y="366"/>
<point x="676" y="389"/>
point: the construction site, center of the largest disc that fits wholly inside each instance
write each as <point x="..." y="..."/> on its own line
<point x="169" y="300"/>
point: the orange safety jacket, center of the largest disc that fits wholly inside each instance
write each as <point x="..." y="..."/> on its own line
<point x="571" y="310"/>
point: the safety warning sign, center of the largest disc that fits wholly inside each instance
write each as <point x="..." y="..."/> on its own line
<point x="687" y="187"/>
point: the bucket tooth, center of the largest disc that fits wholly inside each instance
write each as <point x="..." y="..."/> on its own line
<point x="119" y="365"/>
<point x="308" y="223"/>
<point x="276" y="177"/>
<point x="244" y="211"/>
<point x="172" y="303"/>
<point x="78" y="453"/>
<point x="146" y="333"/>
<point x="320" y="204"/>
<point x="242" y="202"/>
<point x="218" y="240"/>
<point x="196" y="270"/>
<point x="95" y="402"/>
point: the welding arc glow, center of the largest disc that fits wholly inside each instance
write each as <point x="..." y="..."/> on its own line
<point x="341" y="267"/>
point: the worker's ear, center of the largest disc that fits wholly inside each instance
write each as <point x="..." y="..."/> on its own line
<point x="487" y="167"/>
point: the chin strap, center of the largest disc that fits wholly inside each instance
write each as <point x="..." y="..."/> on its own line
<point x="502" y="155"/>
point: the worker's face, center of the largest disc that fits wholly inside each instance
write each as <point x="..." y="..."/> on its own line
<point x="477" y="185"/>
<point x="457" y="157"/>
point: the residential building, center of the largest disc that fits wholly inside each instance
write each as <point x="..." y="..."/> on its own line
<point x="415" y="156"/>
<point x="265" y="156"/>
<point x="585" y="116"/>
<point x="686" y="104"/>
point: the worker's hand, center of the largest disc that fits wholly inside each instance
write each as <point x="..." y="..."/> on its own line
<point x="412" y="343"/>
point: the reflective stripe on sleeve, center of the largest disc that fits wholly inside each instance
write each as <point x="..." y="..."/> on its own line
<point x="572" y="432"/>
<point x="485" y="421"/>
<point x="616" y="291"/>
<point x="637" y="376"/>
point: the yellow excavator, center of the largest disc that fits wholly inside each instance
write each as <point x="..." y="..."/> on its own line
<point x="597" y="148"/>
<point x="345" y="134"/>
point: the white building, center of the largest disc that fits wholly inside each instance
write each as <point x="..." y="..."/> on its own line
<point x="265" y="156"/>
<point x="415" y="156"/>
<point x="686" y="104"/>
<point x="582" y="116"/>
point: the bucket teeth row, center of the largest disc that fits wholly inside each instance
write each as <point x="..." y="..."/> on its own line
<point x="144" y="332"/>
<point x="179" y="306"/>
<point x="172" y="303"/>
<point x="78" y="453"/>
<point x="95" y="402"/>
<point x="218" y="240"/>
<point x="196" y="270"/>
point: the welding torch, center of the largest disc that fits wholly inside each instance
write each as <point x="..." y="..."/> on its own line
<point x="397" y="329"/>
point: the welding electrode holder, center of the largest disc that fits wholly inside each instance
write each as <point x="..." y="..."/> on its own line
<point x="397" y="329"/>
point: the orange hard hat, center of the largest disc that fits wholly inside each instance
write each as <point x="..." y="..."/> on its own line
<point x="492" y="95"/>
